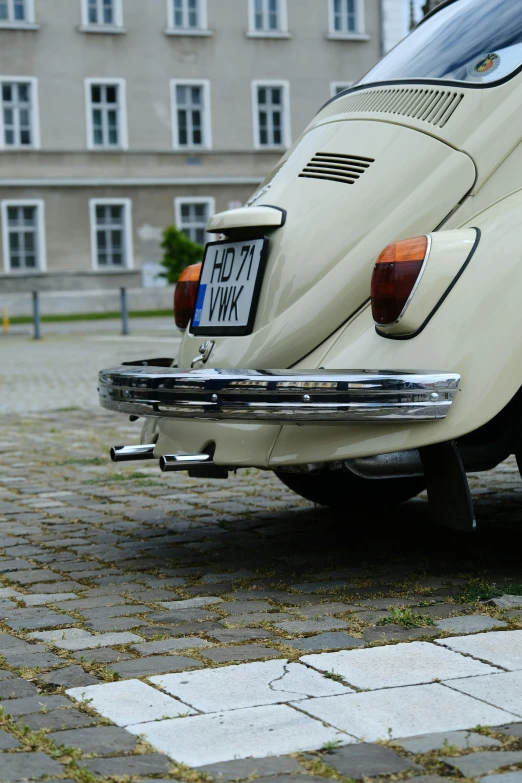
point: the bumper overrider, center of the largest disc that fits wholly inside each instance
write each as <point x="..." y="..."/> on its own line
<point x="285" y="396"/>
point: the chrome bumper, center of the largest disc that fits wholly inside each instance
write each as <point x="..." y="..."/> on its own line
<point x="285" y="396"/>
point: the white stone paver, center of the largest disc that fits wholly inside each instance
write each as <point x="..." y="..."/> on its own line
<point x="39" y="599"/>
<point x="404" y="712"/>
<point x="502" y="648"/>
<point x="129" y="701"/>
<point x="247" y="685"/>
<point x="190" y="603"/>
<point x="501" y="690"/>
<point x="400" y="664"/>
<point x="255" y="732"/>
<point x="78" y="639"/>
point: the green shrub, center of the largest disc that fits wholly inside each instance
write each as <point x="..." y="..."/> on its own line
<point x="180" y="252"/>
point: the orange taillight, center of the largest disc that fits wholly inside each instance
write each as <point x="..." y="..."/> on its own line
<point x="394" y="277"/>
<point x="185" y="295"/>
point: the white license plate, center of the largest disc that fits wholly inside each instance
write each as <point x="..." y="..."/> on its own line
<point x="229" y="287"/>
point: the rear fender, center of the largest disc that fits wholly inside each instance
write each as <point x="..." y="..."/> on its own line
<point x="476" y="332"/>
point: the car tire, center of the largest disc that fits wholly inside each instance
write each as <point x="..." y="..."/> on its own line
<point x="337" y="488"/>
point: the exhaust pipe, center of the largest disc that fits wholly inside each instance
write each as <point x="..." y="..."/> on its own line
<point x="130" y="453"/>
<point x="401" y="464"/>
<point x="172" y="462"/>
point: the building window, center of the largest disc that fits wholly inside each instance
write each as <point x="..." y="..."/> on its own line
<point x="19" y="114"/>
<point x="106" y="114"/>
<point x="338" y="87"/>
<point x="268" y="17"/>
<point x="111" y="233"/>
<point x="187" y="16"/>
<point x="102" y="13"/>
<point x="191" y="114"/>
<point x="271" y="114"/>
<point x="192" y="216"/>
<point x="23" y="236"/>
<point x="16" y="11"/>
<point x="346" y="18"/>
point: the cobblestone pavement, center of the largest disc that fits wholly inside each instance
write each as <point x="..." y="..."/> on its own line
<point x="170" y="628"/>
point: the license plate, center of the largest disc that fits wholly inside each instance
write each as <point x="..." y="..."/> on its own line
<point x="229" y="287"/>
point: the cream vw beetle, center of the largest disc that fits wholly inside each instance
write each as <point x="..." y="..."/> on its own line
<point x="369" y="292"/>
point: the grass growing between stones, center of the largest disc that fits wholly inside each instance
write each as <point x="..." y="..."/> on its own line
<point x="478" y="590"/>
<point x="408" y="619"/>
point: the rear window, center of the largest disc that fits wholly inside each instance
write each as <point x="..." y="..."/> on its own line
<point x="474" y="41"/>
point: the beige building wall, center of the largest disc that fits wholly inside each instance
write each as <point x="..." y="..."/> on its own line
<point x="64" y="174"/>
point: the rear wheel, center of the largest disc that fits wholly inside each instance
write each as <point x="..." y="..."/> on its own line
<point x="336" y="488"/>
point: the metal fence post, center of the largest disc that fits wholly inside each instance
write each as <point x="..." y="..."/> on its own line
<point x="37" y="335"/>
<point x="124" y="312"/>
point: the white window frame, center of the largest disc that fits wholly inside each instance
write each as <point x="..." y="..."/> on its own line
<point x="337" y="87"/>
<point x="41" y="252"/>
<point x="126" y="203"/>
<point x="206" y="114"/>
<point x="19" y="24"/>
<point x="122" y="114"/>
<point x="286" y="127"/>
<point x="359" y="34"/>
<point x="202" y="29"/>
<point x="35" y="113"/>
<point x="116" y="26"/>
<point x="210" y="201"/>
<point x="282" y="30"/>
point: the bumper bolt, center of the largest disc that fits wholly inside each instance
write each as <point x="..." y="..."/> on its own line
<point x="214" y="398"/>
<point x="307" y="398"/>
<point x="434" y="397"/>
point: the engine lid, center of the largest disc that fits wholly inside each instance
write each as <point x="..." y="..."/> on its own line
<point x="348" y="188"/>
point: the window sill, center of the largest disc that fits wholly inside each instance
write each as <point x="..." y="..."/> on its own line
<point x="348" y="37"/>
<point x="191" y="151"/>
<point x="275" y="34"/>
<point x="22" y="272"/>
<point x="271" y="148"/>
<point x="28" y="26"/>
<point x="108" y="149"/>
<point x="103" y="29"/>
<point x="111" y="270"/>
<point x="18" y="148"/>
<point x="181" y="32"/>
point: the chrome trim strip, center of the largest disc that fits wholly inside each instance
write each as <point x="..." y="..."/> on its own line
<point x="286" y="396"/>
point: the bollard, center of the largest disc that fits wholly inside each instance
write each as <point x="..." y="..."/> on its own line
<point x="124" y="312"/>
<point x="36" y="316"/>
<point x="5" y="320"/>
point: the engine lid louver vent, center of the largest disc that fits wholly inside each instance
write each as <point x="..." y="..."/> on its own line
<point x="433" y="106"/>
<point x="336" y="167"/>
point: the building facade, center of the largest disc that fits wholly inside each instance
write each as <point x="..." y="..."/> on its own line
<point x="120" y="117"/>
<point x="395" y="23"/>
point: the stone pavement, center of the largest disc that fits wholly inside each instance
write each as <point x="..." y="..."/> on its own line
<point x="165" y="628"/>
<point x="60" y="370"/>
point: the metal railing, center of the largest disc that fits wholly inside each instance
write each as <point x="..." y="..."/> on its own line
<point x="35" y="284"/>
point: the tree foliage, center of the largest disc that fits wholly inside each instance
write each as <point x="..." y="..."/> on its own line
<point x="179" y="252"/>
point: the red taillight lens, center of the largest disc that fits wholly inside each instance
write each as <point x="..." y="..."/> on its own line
<point x="185" y="295"/>
<point x="394" y="277"/>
